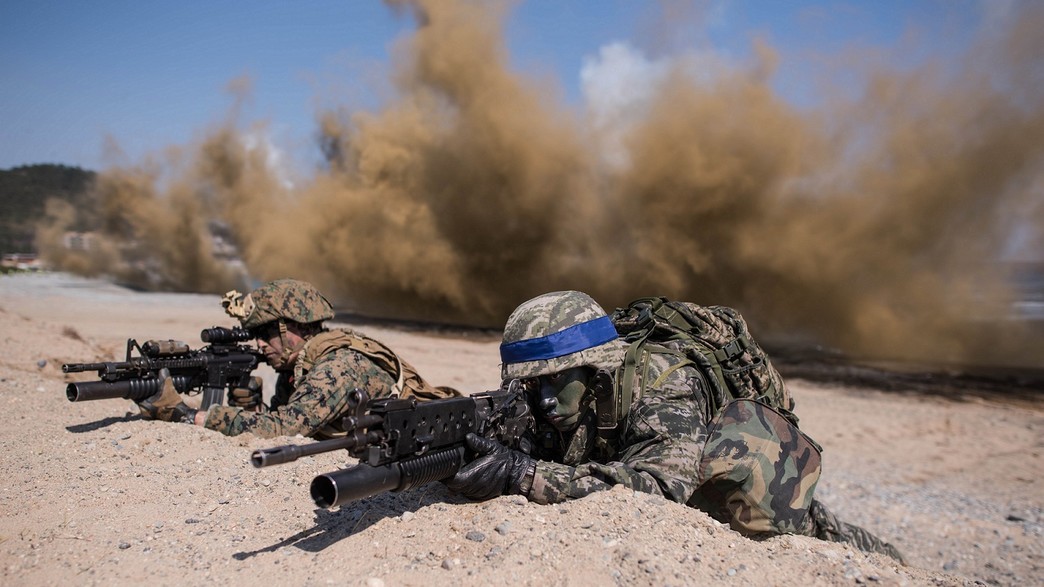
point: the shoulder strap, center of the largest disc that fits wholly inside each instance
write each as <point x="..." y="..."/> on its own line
<point x="331" y="340"/>
<point x="408" y="382"/>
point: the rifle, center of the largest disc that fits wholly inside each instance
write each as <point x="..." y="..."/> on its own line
<point x="404" y="443"/>
<point x="223" y="364"/>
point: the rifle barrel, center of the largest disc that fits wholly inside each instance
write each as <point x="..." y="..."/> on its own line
<point x="289" y="453"/>
<point x="83" y="367"/>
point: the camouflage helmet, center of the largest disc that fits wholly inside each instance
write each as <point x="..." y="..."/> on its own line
<point x="558" y="331"/>
<point x="289" y="299"/>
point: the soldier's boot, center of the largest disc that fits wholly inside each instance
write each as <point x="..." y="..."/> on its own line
<point x="826" y="526"/>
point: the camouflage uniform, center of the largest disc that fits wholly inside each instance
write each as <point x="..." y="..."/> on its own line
<point x="313" y="400"/>
<point x="757" y="476"/>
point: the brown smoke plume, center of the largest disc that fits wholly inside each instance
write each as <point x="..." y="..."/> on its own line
<point x="872" y="225"/>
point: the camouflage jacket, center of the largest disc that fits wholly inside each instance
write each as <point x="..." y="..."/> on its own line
<point x="663" y="449"/>
<point x="658" y="450"/>
<point x="314" y="400"/>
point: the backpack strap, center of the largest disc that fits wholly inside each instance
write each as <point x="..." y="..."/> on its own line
<point x="613" y="407"/>
<point x="613" y="399"/>
<point x="663" y="376"/>
<point x="613" y="403"/>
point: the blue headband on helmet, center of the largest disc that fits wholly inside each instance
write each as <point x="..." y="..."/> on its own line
<point x="575" y="338"/>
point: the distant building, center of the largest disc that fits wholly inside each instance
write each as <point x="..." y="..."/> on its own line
<point x="77" y="241"/>
<point x="21" y="262"/>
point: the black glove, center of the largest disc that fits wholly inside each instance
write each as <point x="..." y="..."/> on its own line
<point x="249" y="397"/>
<point x="496" y="470"/>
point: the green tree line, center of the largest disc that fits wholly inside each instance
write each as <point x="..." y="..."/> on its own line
<point x="24" y="190"/>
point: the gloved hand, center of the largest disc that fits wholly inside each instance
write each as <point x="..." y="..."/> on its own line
<point x="249" y="397"/>
<point x="165" y="404"/>
<point x="496" y="470"/>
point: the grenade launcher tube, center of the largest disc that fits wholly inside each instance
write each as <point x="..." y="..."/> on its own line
<point x="362" y="481"/>
<point x="132" y="389"/>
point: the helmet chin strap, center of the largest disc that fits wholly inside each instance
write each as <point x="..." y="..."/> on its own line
<point x="287" y="352"/>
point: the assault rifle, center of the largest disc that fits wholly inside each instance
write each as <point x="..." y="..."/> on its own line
<point x="224" y="364"/>
<point x="404" y="443"/>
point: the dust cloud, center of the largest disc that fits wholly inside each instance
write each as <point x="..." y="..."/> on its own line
<point x="871" y="223"/>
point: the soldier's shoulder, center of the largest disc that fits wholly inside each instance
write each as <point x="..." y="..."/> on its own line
<point x="332" y="358"/>
<point x="677" y="366"/>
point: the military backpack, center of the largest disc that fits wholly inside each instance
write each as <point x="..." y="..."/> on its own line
<point x="766" y="488"/>
<point x="714" y="339"/>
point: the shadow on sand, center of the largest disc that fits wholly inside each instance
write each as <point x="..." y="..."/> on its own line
<point x="331" y="526"/>
<point x="99" y="424"/>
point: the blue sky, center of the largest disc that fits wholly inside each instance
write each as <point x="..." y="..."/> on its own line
<point x="154" y="74"/>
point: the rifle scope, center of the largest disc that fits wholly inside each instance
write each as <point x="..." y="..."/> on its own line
<point x="222" y="335"/>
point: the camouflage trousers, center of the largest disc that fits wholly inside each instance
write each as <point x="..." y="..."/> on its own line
<point x="826" y="526"/>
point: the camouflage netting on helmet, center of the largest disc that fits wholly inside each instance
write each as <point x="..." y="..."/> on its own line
<point x="554" y="314"/>
<point x="289" y="299"/>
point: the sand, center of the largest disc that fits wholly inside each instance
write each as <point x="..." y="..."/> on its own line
<point x="94" y="495"/>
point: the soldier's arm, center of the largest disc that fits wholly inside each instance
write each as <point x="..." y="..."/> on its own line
<point x="320" y="398"/>
<point x="667" y="433"/>
<point x="283" y="391"/>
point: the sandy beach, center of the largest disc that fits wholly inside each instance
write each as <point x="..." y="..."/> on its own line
<point x="94" y="495"/>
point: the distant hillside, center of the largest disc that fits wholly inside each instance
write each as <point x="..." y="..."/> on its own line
<point x="23" y="191"/>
